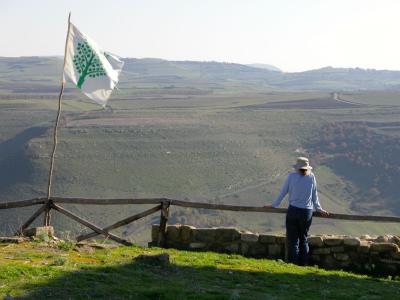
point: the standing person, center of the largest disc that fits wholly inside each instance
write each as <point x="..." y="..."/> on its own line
<point x="303" y="198"/>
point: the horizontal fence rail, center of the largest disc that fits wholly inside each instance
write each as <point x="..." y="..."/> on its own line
<point x="162" y="204"/>
<point x="22" y="203"/>
<point x="189" y="204"/>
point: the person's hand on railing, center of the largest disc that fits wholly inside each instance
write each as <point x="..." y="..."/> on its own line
<point x="268" y="206"/>
<point x="323" y="213"/>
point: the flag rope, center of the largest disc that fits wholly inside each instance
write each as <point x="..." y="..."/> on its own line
<point x="55" y="131"/>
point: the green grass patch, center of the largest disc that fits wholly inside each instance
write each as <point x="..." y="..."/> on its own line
<point x="114" y="274"/>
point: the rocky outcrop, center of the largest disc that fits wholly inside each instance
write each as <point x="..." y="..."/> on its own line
<point x="366" y="254"/>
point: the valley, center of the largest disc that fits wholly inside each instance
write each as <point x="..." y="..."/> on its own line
<point x="201" y="134"/>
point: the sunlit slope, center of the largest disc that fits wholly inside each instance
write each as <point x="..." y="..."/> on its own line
<point x="222" y="149"/>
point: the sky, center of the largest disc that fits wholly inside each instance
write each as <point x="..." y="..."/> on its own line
<point x="293" y="35"/>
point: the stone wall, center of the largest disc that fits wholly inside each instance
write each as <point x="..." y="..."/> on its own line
<point x="365" y="254"/>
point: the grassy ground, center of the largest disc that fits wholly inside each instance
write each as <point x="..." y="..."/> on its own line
<point x="37" y="271"/>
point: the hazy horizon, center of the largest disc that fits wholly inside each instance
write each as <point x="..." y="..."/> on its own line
<point x="291" y="35"/>
<point x="196" y="60"/>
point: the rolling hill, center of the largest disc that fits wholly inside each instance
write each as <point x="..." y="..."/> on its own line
<point x="205" y="131"/>
<point x="41" y="75"/>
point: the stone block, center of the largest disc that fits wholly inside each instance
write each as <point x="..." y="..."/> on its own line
<point x="275" y="251"/>
<point x="333" y="241"/>
<point x="364" y="247"/>
<point x="316" y="241"/>
<point x="173" y="232"/>
<point x="365" y="237"/>
<point x="177" y="245"/>
<point x="321" y="251"/>
<point x="329" y="263"/>
<point x="337" y="249"/>
<point x="353" y="242"/>
<point x="249" y="237"/>
<point x="353" y="255"/>
<point x="315" y="258"/>
<point x="252" y="249"/>
<point x="383" y="239"/>
<point x="395" y="240"/>
<point x="257" y="250"/>
<point x="267" y="238"/>
<point x="186" y="232"/>
<point x="244" y="248"/>
<point x="390" y="261"/>
<point x="344" y="264"/>
<point x="38" y="231"/>
<point x="154" y="232"/>
<point x="387" y="266"/>
<point x="227" y="234"/>
<point x="395" y="255"/>
<point x="198" y="246"/>
<point x="232" y="248"/>
<point x="384" y="247"/>
<point x="206" y="235"/>
<point x="368" y="237"/>
<point x="280" y="239"/>
<point x="341" y="256"/>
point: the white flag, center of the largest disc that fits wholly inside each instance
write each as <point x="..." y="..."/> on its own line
<point x="94" y="71"/>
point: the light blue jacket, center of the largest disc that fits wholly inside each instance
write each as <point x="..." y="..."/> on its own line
<point x="302" y="191"/>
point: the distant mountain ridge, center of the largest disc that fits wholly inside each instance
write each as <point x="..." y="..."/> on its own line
<point x="16" y="71"/>
<point x="265" y="66"/>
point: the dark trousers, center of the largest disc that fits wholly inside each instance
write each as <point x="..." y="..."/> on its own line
<point x="298" y="222"/>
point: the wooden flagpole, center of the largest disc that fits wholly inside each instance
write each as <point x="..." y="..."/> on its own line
<point x="51" y="168"/>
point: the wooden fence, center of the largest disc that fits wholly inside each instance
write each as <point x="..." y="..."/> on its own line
<point x="161" y="204"/>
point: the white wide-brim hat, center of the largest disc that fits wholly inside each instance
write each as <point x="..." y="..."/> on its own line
<point x="302" y="163"/>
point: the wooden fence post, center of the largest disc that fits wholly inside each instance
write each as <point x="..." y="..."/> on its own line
<point x="162" y="231"/>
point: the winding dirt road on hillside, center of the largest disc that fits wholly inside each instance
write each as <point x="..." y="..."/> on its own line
<point x="336" y="97"/>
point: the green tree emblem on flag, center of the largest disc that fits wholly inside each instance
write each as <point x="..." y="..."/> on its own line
<point x="87" y="63"/>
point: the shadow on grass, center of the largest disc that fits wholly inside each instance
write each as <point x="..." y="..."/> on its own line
<point x="138" y="280"/>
